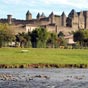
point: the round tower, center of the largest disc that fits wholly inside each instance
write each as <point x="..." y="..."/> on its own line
<point x="38" y="16"/>
<point x="52" y="17"/>
<point x="28" y="15"/>
<point x="42" y="15"/>
<point x="9" y="18"/>
<point x="63" y="19"/>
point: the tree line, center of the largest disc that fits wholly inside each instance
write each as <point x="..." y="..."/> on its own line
<point x="81" y="38"/>
<point x="38" y="38"/>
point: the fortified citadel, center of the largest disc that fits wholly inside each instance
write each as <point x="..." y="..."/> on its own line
<point x="53" y="23"/>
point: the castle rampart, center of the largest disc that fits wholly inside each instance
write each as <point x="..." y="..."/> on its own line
<point x="53" y="23"/>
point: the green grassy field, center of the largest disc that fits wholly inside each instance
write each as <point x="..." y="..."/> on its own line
<point x="49" y="56"/>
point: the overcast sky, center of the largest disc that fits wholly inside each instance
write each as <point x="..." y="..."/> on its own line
<point x="18" y="8"/>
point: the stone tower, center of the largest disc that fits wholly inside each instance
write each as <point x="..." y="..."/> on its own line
<point x="81" y="20"/>
<point x="9" y="18"/>
<point x="28" y="15"/>
<point x="73" y="19"/>
<point x="63" y="19"/>
<point x="86" y="19"/>
<point x="52" y="18"/>
<point x="42" y="15"/>
<point x="38" y="16"/>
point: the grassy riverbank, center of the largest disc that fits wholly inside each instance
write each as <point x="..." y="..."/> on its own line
<point x="15" y="56"/>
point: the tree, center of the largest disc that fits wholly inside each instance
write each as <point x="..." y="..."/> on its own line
<point x="6" y="36"/>
<point x="85" y="40"/>
<point x="23" y="39"/>
<point x="39" y="37"/>
<point x="78" y="36"/>
<point x="52" y="40"/>
<point x="61" y="34"/>
<point x="1" y="40"/>
<point x="34" y="38"/>
<point x="81" y="36"/>
<point x="4" y="26"/>
<point x="61" y="40"/>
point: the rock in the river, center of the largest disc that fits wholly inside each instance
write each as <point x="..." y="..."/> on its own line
<point x="41" y="76"/>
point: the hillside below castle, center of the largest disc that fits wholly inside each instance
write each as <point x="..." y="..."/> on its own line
<point x="53" y="23"/>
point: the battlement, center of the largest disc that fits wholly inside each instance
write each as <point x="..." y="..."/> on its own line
<point x="74" y="20"/>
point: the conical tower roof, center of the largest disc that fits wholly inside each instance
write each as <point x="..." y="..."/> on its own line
<point x="72" y="13"/>
<point x="42" y="15"/>
<point x="51" y="14"/>
<point x="28" y="13"/>
<point x="38" y="15"/>
<point x="63" y="14"/>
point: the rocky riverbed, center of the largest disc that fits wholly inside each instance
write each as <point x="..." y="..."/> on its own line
<point x="44" y="78"/>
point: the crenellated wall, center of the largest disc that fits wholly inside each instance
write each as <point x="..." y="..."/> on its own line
<point x="53" y="23"/>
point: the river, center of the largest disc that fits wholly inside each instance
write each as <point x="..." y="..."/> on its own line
<point x="44" y="78"/>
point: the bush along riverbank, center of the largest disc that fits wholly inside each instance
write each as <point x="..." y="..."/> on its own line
<point x="43" y="66"/>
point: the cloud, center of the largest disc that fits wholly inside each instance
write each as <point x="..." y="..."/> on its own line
<point x="74" y="3"/>
<point x="71" y="3"/>
<point x="12" y="1"/>
<point x="78" y="3"/>
<point x="20" y="2"/>
<point x="46" y="6"/>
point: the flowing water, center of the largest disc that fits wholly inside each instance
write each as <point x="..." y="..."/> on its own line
<point x="44" y="78"/>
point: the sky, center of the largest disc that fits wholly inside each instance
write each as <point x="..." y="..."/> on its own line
<point x="18" y="8"/>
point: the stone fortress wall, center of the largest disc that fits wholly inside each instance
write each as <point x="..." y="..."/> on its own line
<point x="53" y="23"/>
